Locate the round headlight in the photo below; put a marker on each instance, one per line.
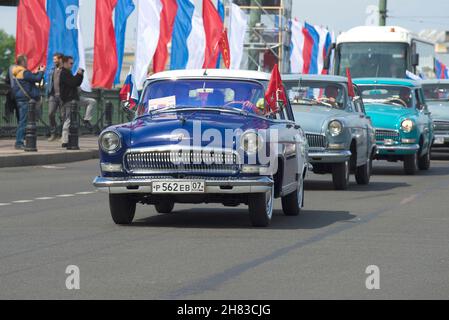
(407, 125)
(250, 142)
(335, 127)
(110, 142)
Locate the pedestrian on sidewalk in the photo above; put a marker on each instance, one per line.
(90, 105)
(10, 103)
(25, 89)
(68, 86)
(53, 93)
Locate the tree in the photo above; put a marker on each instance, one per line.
(7, 48)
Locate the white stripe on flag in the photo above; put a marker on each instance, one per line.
(196, 41)
(85, 85)
(296, 57)
(322, 32)
(238, 25)
(148, 25)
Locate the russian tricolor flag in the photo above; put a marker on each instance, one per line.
(128, 91)
(309, 48)
(441, 70)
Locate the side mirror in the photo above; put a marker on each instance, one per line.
(327, 60)
(415, 59)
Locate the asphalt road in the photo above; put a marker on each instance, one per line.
(51, 217)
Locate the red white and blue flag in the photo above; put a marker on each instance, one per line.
(128, 92)
(441, 70)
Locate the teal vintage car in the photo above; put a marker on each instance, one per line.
(436, 92)
(339, 133)
(403, 123)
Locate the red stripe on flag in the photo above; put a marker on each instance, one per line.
(32, 32)
(213, 27)
(307, 51)
(168, 14)
(105, 49)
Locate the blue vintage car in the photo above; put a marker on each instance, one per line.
(436, 92)
(398, 110)
(340, 135)
(204, 136)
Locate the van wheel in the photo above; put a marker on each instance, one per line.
(293, 202)
(260, 206)
(164, 207)
(363, 173)
(122, 208)
(340, 175)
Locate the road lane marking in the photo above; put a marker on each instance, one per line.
(44, 198)
(408, 199)
(86, 192)
(68, 195)
(65, 195)
(22, 201)
(5, 204)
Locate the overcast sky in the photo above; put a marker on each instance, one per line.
(337, 15)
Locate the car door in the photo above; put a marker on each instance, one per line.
(424, 119)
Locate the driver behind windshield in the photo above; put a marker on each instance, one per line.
(405, 95)
(331, 93)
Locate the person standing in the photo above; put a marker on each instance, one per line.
(68, 86)
(25, 89)
(53, 93)
(90, 105)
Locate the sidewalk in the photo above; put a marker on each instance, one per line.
(47, 152)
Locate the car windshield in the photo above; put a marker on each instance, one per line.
(436, 92)
(238, 95)
(323, 94)
(397, 96)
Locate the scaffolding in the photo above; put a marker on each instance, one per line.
(267, 39)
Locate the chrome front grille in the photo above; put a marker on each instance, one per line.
(382, 134)
(441, 125)
(181, 161)
(316, 140)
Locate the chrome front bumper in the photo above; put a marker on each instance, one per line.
(329, 156)
(216, 185)
(400, 148)
(444, 137)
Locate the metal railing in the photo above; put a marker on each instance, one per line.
(8, 122)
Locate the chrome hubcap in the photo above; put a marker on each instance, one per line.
(269, 202)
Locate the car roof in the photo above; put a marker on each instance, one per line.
(388, 81)
(213, 73)
(313, 77)
(435, 81)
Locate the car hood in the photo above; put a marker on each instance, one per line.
(387, 116)
(439, 110)
(177, 127)
(313, 118)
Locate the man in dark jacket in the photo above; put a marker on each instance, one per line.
(53, 93)
(68, 86)
(25, 89)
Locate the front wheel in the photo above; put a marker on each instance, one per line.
(122, 208)
(260, 206)
(340, 175)
(363, 173)
(164, 207)
(410, 164)
(424, 161)
(293, 202)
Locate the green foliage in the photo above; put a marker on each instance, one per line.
(7, 48)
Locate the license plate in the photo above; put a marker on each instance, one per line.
(178, 186)
(439, 140)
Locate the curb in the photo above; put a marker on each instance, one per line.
(40, 159)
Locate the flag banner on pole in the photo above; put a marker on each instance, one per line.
(167, 19)
(182, 28)
(238, 25)
(351, 91)
(32, 32)
(122, 11)
(441, 70)
(127, 90)
(148, 24)
(63, 35)
(213, 27)
(275, 90)
(224, 49)
(221, 13)
(105, 49)
(85, 85)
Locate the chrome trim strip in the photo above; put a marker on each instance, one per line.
(402, 147)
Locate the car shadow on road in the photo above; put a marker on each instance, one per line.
(440, 154)
(398, 171)
(226, 218)
(318, 185)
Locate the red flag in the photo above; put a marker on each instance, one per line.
(275, 91)
(105, 49)
(224, 48)
(351, 92)
(32, 32)
(168, 14)
(213, 27)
